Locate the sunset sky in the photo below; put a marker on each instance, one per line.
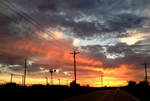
(113, 37)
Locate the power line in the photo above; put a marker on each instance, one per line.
(28, 18)
(23, 14)
(33, 21)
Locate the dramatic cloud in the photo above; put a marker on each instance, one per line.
(111, 35)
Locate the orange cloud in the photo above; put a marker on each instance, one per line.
(57, 53)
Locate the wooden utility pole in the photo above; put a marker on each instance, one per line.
(11, 77)
(46, 80)
(25, 69)
(22, 79)
(74, 56)
(59, 81)
(102, 80)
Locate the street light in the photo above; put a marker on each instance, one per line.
(51, 72)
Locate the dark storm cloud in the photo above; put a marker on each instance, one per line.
(110, 17)
(130, 56)
(4, 22)
(120, 48)
(96, 52)
(11, 59)
(12, 63)
(15, 68)
(118, 23)
(63, 4)
(86, 4)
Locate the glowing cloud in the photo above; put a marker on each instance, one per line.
(134, 37)
(57, 34)
(76, 42)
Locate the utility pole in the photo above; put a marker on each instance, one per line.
(102, 80)
(67, 82)
(11, 77)
(51, 72)
(59, 81)
(74, 56)
(145, 66)
(22, 79)
(25, 69)
(46, 80)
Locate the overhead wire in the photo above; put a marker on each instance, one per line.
(29, 19)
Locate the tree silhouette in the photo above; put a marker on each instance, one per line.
(131, 83)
